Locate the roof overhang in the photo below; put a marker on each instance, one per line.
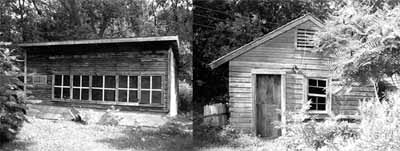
(237, 52)
(104, 41)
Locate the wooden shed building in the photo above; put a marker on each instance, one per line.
(136, 74)
(277, 73)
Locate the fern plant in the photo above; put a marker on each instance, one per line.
(363, 41)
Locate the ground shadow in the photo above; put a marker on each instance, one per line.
(168, 137)
(16, 145)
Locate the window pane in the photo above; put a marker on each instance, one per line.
(75, 94)
(97, 95)
(145, 97)
(312, 82)
(156, 84)
(66, 80)
(66, 93)
(133, 96)
(123, 81)
(316, 90)
(145, 82)
(133, 82)
(57, 80)
(156, 97)
(313, 99)
(109, 95)
(57, 93)
(85, 94)
(76, 80)
(85, 81)
(313, 107)
(321, 83)
(321, 107)
(110, 82)
(321, 100)
(97, 81)
(122, 96)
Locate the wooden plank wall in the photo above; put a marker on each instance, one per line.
(125, 60)
(346, 101)
(215, 114)
(276, 54)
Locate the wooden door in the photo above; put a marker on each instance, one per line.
(268, 103)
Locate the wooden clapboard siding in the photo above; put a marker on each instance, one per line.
(280, 54)
(122, 59)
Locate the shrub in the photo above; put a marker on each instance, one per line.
(380, 125)
(312, 135)
(185, 97)
(12, 105)
(379, 129)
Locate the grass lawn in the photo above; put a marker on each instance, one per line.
(49, 135)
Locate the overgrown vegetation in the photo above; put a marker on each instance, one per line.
(378, 130)
(303, 132)
(363, 37)
(12, 105)
(185, 97)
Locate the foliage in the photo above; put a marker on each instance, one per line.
(12, 105)
(363, 37)
(378, 129)
(312, 135)
(380, 124)
(110, 117)
(185, 97)
(208, 135)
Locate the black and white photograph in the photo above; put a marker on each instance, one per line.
(273, 75)
(199, 75)
(95, 75)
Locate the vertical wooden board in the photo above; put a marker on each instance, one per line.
(268, 97)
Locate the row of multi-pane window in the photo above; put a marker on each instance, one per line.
(121, 88)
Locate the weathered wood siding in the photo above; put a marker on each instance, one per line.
(121, 59)
(279, 53)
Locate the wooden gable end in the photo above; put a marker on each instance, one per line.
(280, 55)
(276, 54)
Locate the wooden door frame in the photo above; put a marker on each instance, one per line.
(254, 73)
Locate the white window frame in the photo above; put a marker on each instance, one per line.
(139, 88)
(42, 79)
(103, 88)
(130, 89)
(80, 87)
(309, 34)
(327, 98)
(151, 88)
(62, 87)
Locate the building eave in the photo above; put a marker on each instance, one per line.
(103, 41)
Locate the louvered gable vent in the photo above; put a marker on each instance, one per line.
(305, 39)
